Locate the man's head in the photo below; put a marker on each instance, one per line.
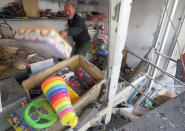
(69, 10)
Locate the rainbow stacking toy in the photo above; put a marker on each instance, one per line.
(55, 89)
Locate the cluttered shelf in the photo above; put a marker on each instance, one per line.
(33, 19)
(17, 11)
(44, 18)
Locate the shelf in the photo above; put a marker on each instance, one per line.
(33, 19)
(40, 19)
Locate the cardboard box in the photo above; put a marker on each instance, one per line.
(31, 7)
(163, 96)
(44, 41)
(140, 111)
(74, 62)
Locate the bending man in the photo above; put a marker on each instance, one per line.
(77, 29)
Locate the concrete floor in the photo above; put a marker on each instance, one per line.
(7, 111)
(168, 117)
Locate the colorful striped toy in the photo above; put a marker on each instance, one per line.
(55, 89)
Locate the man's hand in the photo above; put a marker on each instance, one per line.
(63, 33)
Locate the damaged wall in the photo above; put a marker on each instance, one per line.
(145, 16)
(143, 23)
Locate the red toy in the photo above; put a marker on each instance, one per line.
(86, 79)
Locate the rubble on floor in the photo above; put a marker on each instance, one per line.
(170, 117)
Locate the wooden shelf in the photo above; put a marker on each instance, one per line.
(33, 19)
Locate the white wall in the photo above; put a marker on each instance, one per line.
(144, 19)
(4, 3)
(43, 4)
(56, 24)
(46, 4)
(143, 22)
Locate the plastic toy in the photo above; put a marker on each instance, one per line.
(52, 84)
(86, 79)
(56, 91)
(97, 17)
(149, 105)
(102, 36)
(77, 86)
(102, 52)
(19, 123)
(99, 46)
(39, 114)
(66, 73)
(25, 102)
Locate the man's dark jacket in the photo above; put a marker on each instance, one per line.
(77, 29)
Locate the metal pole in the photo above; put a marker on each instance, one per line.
(153, 79)
(165, 56)
(155, 67)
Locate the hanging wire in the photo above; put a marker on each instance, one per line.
(178, 45)
(5, 25)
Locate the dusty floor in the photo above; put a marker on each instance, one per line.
(116, 123)
(170, 116)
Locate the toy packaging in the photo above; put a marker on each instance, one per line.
(24, 103)
(16, 119)
(45, 41)
(79, 81)
(35, 92)
(85, 78)
(66, 73)
(18, 122)
(69, 75)
(76, 85)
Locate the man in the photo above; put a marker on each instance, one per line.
(77, 29)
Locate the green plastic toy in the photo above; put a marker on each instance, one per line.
(39, 114)
(149, 104)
